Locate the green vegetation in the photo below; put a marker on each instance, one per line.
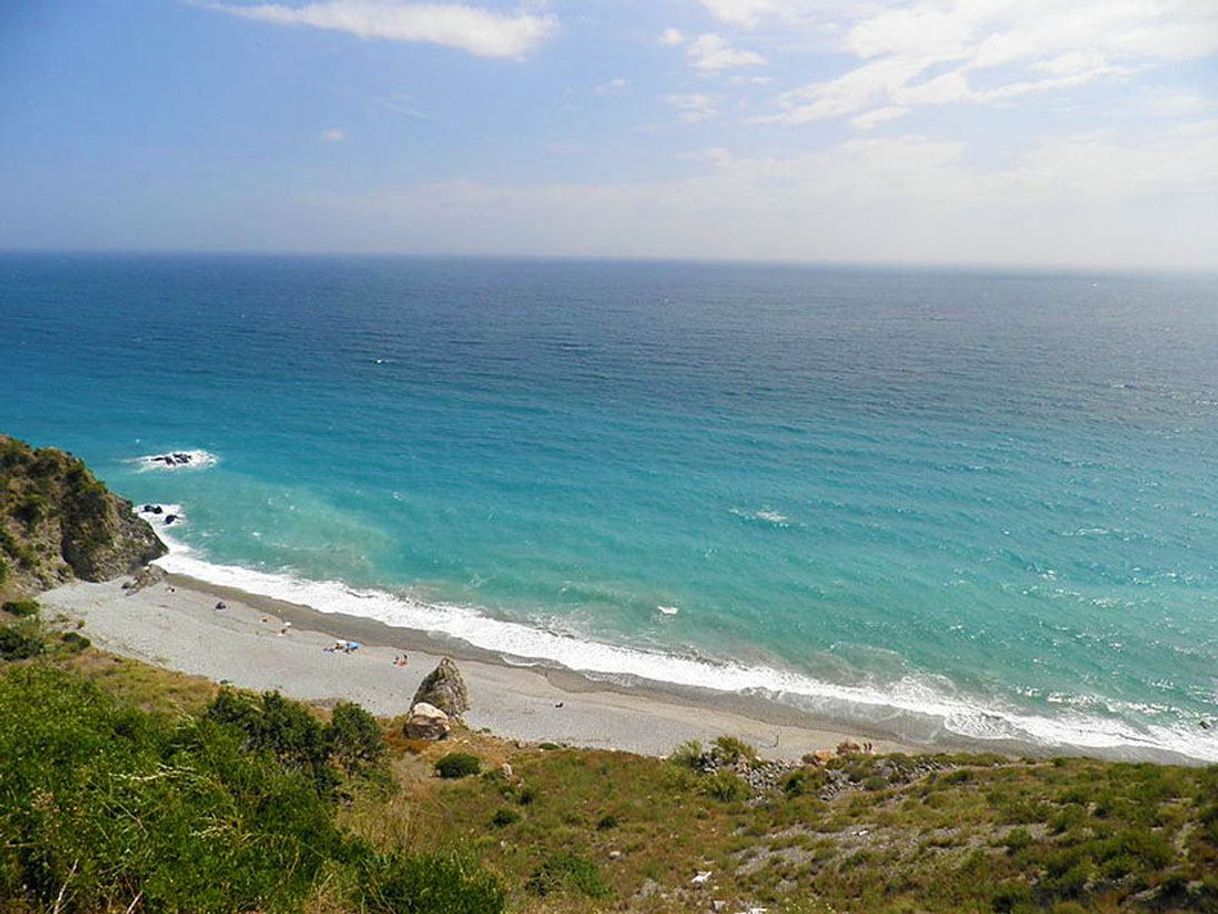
(57, 521)
(21, 608)
(109, 808)
(458, 765)
(120, 781)
(21, 641)
(568, 873)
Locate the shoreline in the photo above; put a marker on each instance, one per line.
(180, 629)
(527, 701)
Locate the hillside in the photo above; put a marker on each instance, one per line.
(58, 522)
(139, 786)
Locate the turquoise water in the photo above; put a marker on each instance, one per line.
(931, 501)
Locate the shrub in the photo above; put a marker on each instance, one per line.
(726, 786)
(606, 823)
(688, 755)
(458, 765)
(178, 813)
(75, 642)
(1018, 839)
(354, 738)
(399, 884)
(1009, 895)
(30, 510)
(568, 873)
(804, 781)
(504, 817)
(282, 728)
(729, 750)
(20, 642)
(21, 608)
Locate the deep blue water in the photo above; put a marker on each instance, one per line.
(929, 499)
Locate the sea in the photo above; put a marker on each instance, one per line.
(935, 504)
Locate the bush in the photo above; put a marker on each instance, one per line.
(568, 873)
(20, 642)
(504, 817)
(688, 755)
(21, 608)
(726, 786)
(729, 750)
(1010, 895)
(354, 738)
(804, 782)
(399, 884)
(113, 802)
(282, 728)
(458, 765)
(75, 642)
(606, 823)
(1018, 839)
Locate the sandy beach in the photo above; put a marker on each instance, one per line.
(259, 643)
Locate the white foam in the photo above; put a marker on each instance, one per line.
(669, 610)
(524, 645)
(177, 460)
(767, 515)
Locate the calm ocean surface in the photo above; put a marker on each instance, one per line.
(975, 502)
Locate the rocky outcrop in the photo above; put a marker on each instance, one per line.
(426, 722)
(145, 577)
(444, 688)
(58, 522)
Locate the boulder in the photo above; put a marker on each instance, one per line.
(848, 747)
(146, 577)
(426, 722)
(820, 758)
(444, 688)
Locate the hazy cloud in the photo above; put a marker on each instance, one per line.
(333, 135)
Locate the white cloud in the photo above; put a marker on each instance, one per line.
(693, 108)
(745, 13)
(333, 135)
(932, 52)
(712, 52)
(750, 13)
(481, 32)
(875, 116)
(671, 37)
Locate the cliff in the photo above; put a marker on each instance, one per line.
(58, 522)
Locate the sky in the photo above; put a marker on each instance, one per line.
(1012, 132)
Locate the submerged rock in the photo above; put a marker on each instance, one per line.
(426, 722)
(444, 688)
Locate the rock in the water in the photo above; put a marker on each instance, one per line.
(426, 722)
(444, 688)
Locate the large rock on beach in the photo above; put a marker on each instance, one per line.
(426, 722)
(444, 688)
(146, 577)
